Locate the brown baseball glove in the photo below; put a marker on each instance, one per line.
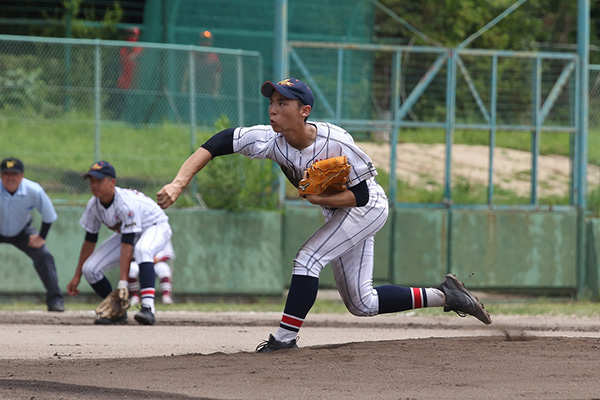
(115, 305)
(325, 176)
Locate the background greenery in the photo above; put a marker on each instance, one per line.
(536, 25)
(232, 182)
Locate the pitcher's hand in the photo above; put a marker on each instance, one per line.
(167, 195)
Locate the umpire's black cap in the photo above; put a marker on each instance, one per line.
(290, 88)
(100, 170)
(12, 164)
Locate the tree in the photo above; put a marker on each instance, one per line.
(74, 19)
(450, 22)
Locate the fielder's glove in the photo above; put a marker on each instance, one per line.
(328, 175)
(115, 305)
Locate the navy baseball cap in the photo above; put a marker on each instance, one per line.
(11, 164)
(100, 170)
(290, 88)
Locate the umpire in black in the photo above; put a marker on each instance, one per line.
(18, 196)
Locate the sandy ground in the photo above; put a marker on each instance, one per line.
(419, 163)
(194, 355)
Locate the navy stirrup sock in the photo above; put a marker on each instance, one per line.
(301, 297)
(102, 287)
(147, 275)
(397, 298)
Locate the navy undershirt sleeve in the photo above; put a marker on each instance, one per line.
(127, 238)
(361, 193)
(221, 143)
(91, 237)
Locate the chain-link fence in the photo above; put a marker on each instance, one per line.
(65, 103)
(143, 107)
(441, 115)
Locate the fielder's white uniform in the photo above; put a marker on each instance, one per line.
(130, 212)
(161, 268)
(347, 238)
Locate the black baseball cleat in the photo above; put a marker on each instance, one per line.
(461, 301)
(111, 321)
(270, 345)
(145, 316)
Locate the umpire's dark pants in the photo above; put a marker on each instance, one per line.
(42, 261)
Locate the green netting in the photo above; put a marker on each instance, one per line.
(249, 25)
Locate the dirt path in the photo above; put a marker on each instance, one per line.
(419, 164)
(210, 356)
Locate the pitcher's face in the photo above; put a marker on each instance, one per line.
(286, 114)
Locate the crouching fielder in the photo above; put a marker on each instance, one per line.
(141, 231)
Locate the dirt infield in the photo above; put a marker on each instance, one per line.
(193, 355)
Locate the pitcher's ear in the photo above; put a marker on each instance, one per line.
(306, 109)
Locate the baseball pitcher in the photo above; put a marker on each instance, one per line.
(354, 205)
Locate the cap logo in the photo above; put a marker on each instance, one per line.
(10, 164)
(285, 82)
(96, 166)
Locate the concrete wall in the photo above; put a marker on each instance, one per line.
(592, 275)
(515, 249)
(488, 249)
(216, 253)
(220, 252)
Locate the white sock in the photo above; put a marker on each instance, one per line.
(148, 298)
(285, 335)
(435, 297)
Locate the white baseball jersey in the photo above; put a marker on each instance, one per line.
(347, 238)
(130, 212)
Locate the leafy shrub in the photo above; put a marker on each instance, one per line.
(25, 91)
(237, 183)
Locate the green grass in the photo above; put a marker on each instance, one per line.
(150, 153)
(526, 306)
(69, 142)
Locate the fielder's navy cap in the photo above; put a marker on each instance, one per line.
(11, 164)
(100, 170)
(290, 88)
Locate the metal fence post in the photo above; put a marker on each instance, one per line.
(536, 102)
(240, 86)
(493, 117)
(450, 126)
(450, 122)
(192, 69)
(396, 82)
(583, 51)
(97, 98)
